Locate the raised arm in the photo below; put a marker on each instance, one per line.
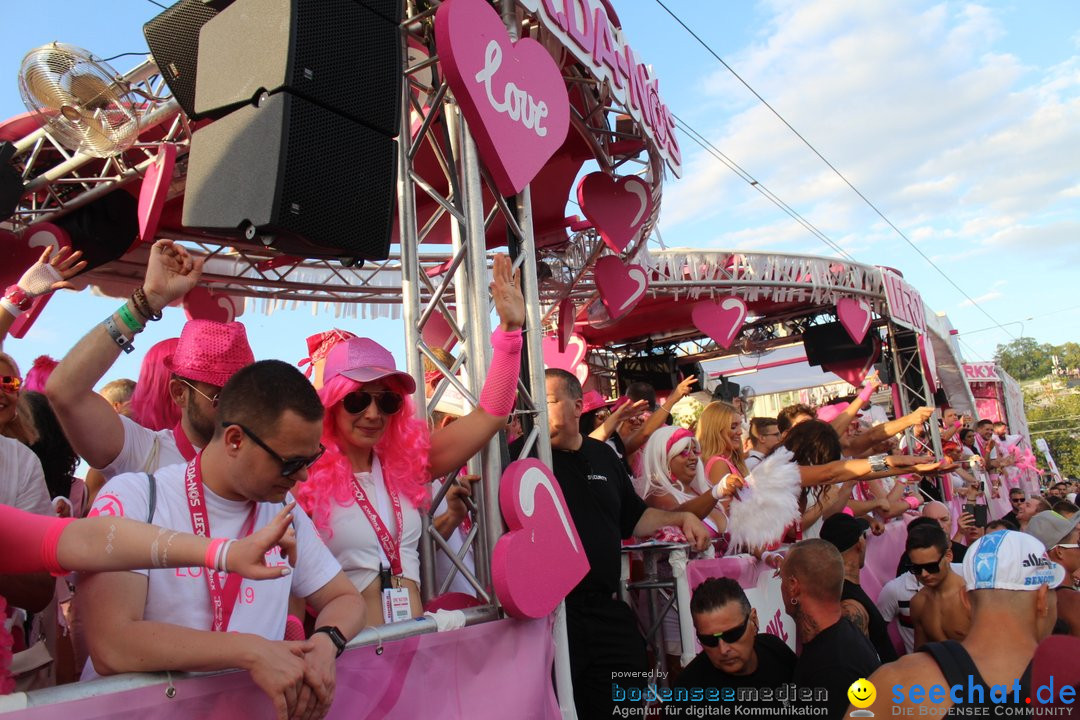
(50, 273)
(841, 422)
(452, 445)
(658, 418)
(91, 425)
(876, 434)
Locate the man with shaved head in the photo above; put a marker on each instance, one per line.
(834, 652)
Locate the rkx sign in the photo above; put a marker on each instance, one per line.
(905, 303)
(981, 372)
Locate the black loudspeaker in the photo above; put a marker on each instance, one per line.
(660, 371)
(105, 229)
(173, 39)
(336, 53)
(11, 184)
(830, 343)
(317, 183)
(726, 390)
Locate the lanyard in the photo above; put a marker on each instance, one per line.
(187, 450)
(391, 548)
(222, 597)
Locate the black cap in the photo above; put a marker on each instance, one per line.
(843, 530)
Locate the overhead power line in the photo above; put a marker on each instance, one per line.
(834, 169)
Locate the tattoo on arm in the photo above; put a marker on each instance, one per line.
(856, 613)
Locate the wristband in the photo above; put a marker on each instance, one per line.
(18, 299)
(12, 309)
(912, 501)
(129, 319)
(138, 299)
(866, 392)
(879, 463)
(118, 337)
(223, 556)
(212, 551)
(719, 488)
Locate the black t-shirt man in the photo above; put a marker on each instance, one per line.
(877, 628)
(606, 647)
(775, 668)
(836, 657)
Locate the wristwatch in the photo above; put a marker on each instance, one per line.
(335, 637)
(879, 463)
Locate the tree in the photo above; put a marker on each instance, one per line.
(1024, 358)
(1054, 414)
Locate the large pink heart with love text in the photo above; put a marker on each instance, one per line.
(569, 359)
(617, 207)
(19, 252)
(855, 316)
(540, 559)
(512, 94)
(155, 191)
(201, 304)
(720, 320)
(621, 286)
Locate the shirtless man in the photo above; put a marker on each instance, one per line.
(1012, 610)
(936, 611)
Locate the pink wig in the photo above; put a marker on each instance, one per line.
(402, 452)
(39, 373)
(151, 405)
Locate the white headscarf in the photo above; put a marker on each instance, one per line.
(656, 476)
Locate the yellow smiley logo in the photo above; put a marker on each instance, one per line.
(862, 693)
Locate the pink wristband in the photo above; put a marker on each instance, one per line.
(212, 549)
(866, 392)
(848, 511)
(50, 547)
(912, 501)
(500, 389)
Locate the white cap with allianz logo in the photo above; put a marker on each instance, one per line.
(1010, 560)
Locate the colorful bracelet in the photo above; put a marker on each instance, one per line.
(138, 299)
(129, 319)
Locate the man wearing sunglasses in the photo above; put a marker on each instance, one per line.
(206, 356)
(734, 653)
(1060, 536)
(268, 435)
(936, 611)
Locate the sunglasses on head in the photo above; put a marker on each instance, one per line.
(387, 401)
(729, 636)
(289, 466)
(930, 568)
(10, 383)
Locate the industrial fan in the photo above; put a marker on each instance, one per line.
(79, 100)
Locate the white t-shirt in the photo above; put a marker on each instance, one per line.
(753, 459)
(354, 543)
(179, 595)
(22, 482)
(138, 450)
(443, 565)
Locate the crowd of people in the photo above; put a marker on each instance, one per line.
(238, 514)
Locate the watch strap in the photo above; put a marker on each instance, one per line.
(335, 637)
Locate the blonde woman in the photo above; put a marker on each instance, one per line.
(719, 431)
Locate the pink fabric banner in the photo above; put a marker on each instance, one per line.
(476, 672)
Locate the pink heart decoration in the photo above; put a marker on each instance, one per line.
(201, 304)
(569, 359)
(512, 94)
(28, 249)
(540, 559)
(155, 191)
(567, 312)
(617, 207)
(855, 316)
(720, 321)
(437, 332)
(621, 286)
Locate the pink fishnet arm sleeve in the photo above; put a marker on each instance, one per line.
(500, 388)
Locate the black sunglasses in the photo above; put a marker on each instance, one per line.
(930, 568)
(358, 401)
(289, 466)
(729, 636)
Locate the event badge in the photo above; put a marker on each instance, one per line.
(396, 605)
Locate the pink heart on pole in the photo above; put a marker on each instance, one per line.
(621, 286)
(201, 304)
(540, 559)
(565, 328)
(512, 94)
(855, 316)
(155, 191)
(569, 359)
(617, 207)
(721, 321)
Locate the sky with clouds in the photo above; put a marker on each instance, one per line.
(959, 121)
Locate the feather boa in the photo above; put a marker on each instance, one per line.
(768, 504)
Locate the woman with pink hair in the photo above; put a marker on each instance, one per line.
(151, 404)
(365, 493)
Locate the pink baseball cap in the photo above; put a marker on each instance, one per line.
(364, 360)
(594, 401)
(210, 352)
